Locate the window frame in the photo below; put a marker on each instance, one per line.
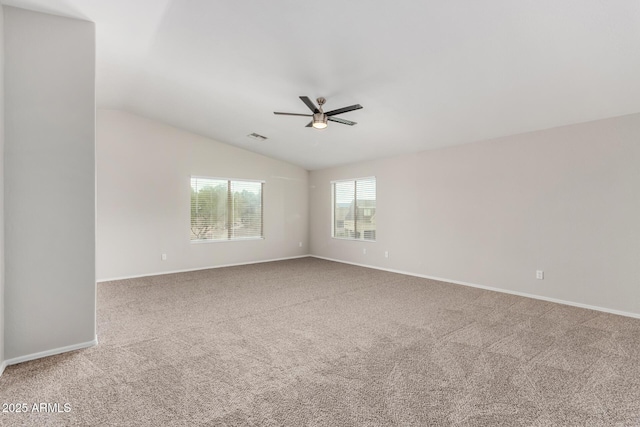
(333, 207)
(229, 183)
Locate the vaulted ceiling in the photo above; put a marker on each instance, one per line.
(428, 73)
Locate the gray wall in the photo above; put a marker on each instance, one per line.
(564, 200)
(144, 169)
(49, 184)
(1, 189)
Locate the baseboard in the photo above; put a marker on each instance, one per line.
(201, 268)
(2, 366)
(51, 352)
(490, 288)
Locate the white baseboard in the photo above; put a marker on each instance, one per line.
(2, 366)
(51, 352)
(489, 288)
(201, 268)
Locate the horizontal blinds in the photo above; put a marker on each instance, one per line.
(225, 209)
(354, 209)
(208, 209)
(246, 209)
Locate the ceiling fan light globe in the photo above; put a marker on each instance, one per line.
(319, 121)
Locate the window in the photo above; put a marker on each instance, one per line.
(354, 209)
(224, 209)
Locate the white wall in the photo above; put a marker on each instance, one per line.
(49, 184)
(1, 189)
(564, 200)
(144, 169)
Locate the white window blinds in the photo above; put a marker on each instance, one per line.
(246, 209)
(224, 209)
(354, 209)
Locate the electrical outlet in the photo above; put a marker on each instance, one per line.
(386, 254)
(164, 257)
(364, 251)
(300, 244)
(539, 274)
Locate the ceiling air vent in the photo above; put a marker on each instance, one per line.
(257, 136)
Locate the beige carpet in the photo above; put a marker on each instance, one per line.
(312, 342)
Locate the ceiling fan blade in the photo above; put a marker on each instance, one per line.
(344, 110)
(292, 114)
(343, 121)
(310, 124)
(309, 104)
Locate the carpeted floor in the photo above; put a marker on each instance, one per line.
(312, 342)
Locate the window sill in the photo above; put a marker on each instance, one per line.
(354, 240)
(242, 239)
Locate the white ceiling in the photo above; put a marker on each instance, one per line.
(428, 73)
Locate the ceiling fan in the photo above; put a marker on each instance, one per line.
(320, 118)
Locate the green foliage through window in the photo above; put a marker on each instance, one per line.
(223, 209)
